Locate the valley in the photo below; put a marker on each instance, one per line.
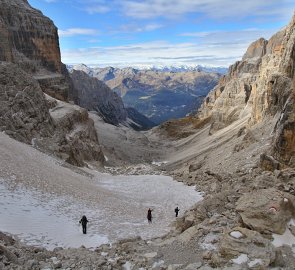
(159, 95)
(70, 147)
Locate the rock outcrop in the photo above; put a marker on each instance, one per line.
(65, 130)
(24, 112)
(267, 210)
(75, 135)
(31, 65)
(95, 95)
(28, 37)
(257, 87)
(249, 244)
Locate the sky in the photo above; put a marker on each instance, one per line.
(162, 32)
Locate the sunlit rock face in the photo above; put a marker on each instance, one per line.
(27, 35)
(257, 87)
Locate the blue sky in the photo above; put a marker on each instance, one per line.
(162, 32)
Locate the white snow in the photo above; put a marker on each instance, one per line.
(243, 258)
(159, 163)
(255, 262)
(285, 239)
(285, 200)
(208, 242)
(42, 202)
(51, 221)
(127, 266)
(158, 264)
(236, 234)
(23, 213)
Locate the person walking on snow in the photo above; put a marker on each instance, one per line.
(84, 221)
(176, 210)
(149, 215)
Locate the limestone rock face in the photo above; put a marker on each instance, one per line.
(54, 84)
(75, 134)
(267, 210)
(256, 49)
(26, 34)
(66, 130)
(23, 109)
(257, 87)
(95, 95)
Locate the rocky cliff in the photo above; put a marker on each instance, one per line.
(27, 37)
(159, 95)
(95, 95)
(31, 65)
(46, 123)
(258, 87)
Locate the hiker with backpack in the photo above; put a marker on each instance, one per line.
(83, 221)
(176, 210)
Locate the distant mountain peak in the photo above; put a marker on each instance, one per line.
(153, 67)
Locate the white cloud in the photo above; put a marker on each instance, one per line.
(224, 37)
(97, 9)
(136, 28)
(216, 48)
(77, 31)
(212, 8)
(155, 53)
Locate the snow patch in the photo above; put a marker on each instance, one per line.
(159, 163)
(127, 266)
(236, 234)
(42, 224)
(255, 262)
(207, 244)
(287, 238)
(243, 258)
(157, 264)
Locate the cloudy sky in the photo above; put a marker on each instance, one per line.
(162, 32)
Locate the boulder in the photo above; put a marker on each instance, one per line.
(244, 241)
(266, 210)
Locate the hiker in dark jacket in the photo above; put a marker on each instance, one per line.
(149, 215)
(84, 221)
(176, 210)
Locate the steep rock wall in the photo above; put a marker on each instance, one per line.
(23, 109)
(257, 87)
(64, 130)
(26, 34)
(95, 95)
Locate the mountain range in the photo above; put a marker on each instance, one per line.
(158, 94)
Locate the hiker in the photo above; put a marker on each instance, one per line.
(84, 221)
(149, 215)
(176, 210)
